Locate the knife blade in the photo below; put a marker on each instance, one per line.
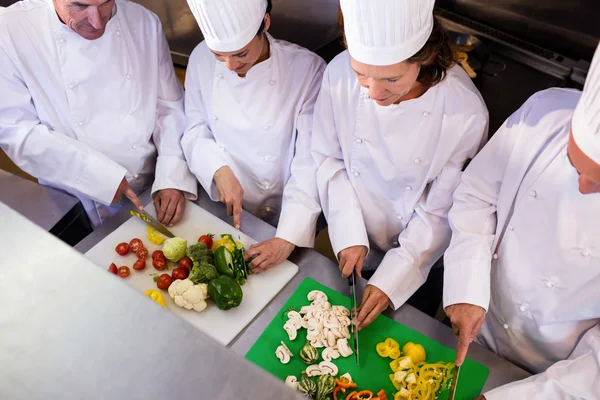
(352, 284)
(144, 216)
(454, 383)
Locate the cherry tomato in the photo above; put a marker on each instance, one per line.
(180, 273)
(135, 245)
(159, 263)
(158, 253)
(207, 240)
(122, 249)
(140, 264)
(142, 253)
(123, 271)
(186, 263)
(113, 268)
(164, 281)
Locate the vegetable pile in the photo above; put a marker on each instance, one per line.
(326, 386)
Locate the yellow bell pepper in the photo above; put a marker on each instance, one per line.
(416, 352)
(156, 296)
(228, 243)
(388, 348)
(401, 364)
(155, 237)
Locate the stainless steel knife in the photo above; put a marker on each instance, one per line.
(352, 284)
(454, 383)
(144, 216)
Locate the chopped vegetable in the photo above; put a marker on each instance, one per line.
(381, 395)
(388, 348)
(345, 383)
(401, 364)
(123, 271)
(142, 253)
(135, 245)
(157, 254)
(198, 252)
(337, 390)
(292, 382)
(325, 386)
(283, 353)
(309, 354)
(122, 249)
(164, 281)
(175, 249)
(224, 261)
(139, 265)
(226, 292)
(113, 268)
(159, 263)
(189, 296)
(239, 266)
(155, 237)
(203, 273)
(364, 395)
(416, 352)
(156, 296)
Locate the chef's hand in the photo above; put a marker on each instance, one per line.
(373, 302)
(230, 192)
(125, 190)
(466, 321)
(268, 254)
(351, 258)
(169, 205)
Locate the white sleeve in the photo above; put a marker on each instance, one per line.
(201, 151)
(46, 154)
(467, 261)
(578, 377)
(427, 235)
(301, 207)
(172, 171)
(338, 199)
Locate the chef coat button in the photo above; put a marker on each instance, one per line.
(356, 173)
(70, 87)
(215, 117)
(135, 175)
(268, 209)
(222, 148)
(510, 228)
(80, 123)
(495, 256)
(271, 82)
(549, 284)
(585, 253)
(220, 76)
(266, 185)
(505, 326)
(409, 188)
(394, 243)
(522, 308)
(130, 112)
(133, 147)
(417, 160)
(426, 113)
(365, 96)
(358, 140)
(267, 158)
(267, 127)
(128, 76)
(399, 217)
(533, 193)
(62, 40)
(118, 32)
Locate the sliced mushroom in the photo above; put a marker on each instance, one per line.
(337, 333)
(344, 321)
(294, 315)
(345, 332)
(313, 370)
(282, 354)
(305, 309)
(313, 333)
(291, 331)
(325, 306)
(341, 310)
(328, 368)
(331, 322)
(317, 343)
(317, 296)
(287, 349)
(331, 339)
(296, 323)
(330, 354)
(344, 348)
(291, 381)
(313, 323)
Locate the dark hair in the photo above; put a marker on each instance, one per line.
(435, 57)
(268, 11)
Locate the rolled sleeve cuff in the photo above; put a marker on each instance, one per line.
(205, 171)
(347, 230)
(100, 179)
(297, 225)
(173, 173)
(467, 283)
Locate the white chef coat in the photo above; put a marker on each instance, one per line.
(260, 127)
(80, 115)
(386, 174)
(527, 244)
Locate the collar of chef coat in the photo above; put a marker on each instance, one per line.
(260, 69)
(58, 24)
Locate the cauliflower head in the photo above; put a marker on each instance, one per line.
(189, 296)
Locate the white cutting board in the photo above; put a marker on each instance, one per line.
(223, 326)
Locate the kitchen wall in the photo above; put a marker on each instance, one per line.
(570, 28)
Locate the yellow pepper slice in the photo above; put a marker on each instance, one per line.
(229, 245)
(401, 364)
(155, 237)
(416, 352)
(156, 296)
(388, 348)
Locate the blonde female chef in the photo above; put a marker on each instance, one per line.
(394, 125)
(249, 104)
(526, 246)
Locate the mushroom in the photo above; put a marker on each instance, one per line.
(331, 339)
(313, 323)
(314, 370)
(330, 354)
(325, 305)
(345, 332)
(283, 355)
(291, 381)
(291, 331)
(316, 296)
(344, 321)
(344, 348)
(313, 333)
(331, 322)
(294, 315)
(317, 342)
(328, 368)
(337, 333)
(341, 310)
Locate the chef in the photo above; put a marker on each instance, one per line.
(89, 103)
(249, 104)
(395, 123)
(526, 246)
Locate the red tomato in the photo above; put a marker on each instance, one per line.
(113, 268)
(139, 265)
(135, 245)
(159, 263)
(122, 249)
(180, 273)
(158, 253)
(142, 253)
(123, 271)
(164, 281)
(207, 240)
(186, 263)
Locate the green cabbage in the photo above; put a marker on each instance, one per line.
(174, 249)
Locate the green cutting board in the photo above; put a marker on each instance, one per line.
(374, 370)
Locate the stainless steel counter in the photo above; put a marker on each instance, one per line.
(316, 266)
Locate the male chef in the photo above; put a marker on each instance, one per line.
(526, 246)
(248, 105)
(89, 103)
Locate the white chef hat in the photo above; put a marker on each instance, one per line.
(586, 118)
(386, 32)
(228, 25)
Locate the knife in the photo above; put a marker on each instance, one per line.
(454, 382)
(143, 215)
(352, 284)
